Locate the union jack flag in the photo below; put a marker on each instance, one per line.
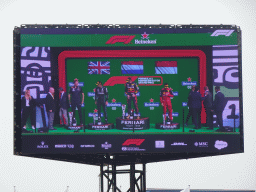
(99, 67)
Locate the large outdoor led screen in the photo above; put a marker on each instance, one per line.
(128, 90)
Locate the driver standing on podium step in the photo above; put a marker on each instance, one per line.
(131, 88)
(101, 99)
(165, 99)
(76, 92)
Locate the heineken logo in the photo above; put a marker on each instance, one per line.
(91, 94)
(94, 114)
(156, 104)
(114, 104)
(145, 39)
(80, 84)
(189, 82)
(151, 104)
(175, 93)
(184, 104)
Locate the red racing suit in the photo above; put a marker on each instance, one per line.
(165, 99)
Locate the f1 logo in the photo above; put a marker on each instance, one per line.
(137, 142)
(120, 39)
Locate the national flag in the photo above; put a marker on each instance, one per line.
(166, 67)
(99, 67)
(132, 67)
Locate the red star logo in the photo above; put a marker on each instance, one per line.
(145, 35)
(113, 100)
(95, 110)
(93, 90)
(189, 79)
(151, 100)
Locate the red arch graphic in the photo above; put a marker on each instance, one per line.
(135, 53)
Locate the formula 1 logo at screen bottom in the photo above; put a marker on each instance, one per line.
(132, 145)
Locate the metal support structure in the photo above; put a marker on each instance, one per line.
(111, 172)
(101, 177)
(132, 177)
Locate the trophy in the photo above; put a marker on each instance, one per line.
(168, 120)
(123, 110)
(164, 116)
(94, 118)
(99, 121)
(132, 114)
(70, 114)
(74, 122)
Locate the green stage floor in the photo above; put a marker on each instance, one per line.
(151, 131)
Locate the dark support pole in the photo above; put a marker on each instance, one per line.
(109, 180)
(141, 181)
(143, 187)
(114, 176)
(132, 177)
(101, 177)
(183, 119)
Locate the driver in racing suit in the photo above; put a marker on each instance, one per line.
(101, 99)
(131, 88)
(165, 99)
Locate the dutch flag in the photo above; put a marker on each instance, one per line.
(132, 67)
(166, 67)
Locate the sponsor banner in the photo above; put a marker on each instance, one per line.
(133, 145)
(220, 144)
(201, 144)
(156, 104)
(135, 122)
(91, 114)
(174, 38)
(87, 146)
(160, 144)
(175, 114)
(106, 145)
(144, 39)
(102, 127)
(119, 104)
(42, 146)
(179, 144)
(186, 83)
(80, 84)
(91, 94)
(175, 93)
(184, 104)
